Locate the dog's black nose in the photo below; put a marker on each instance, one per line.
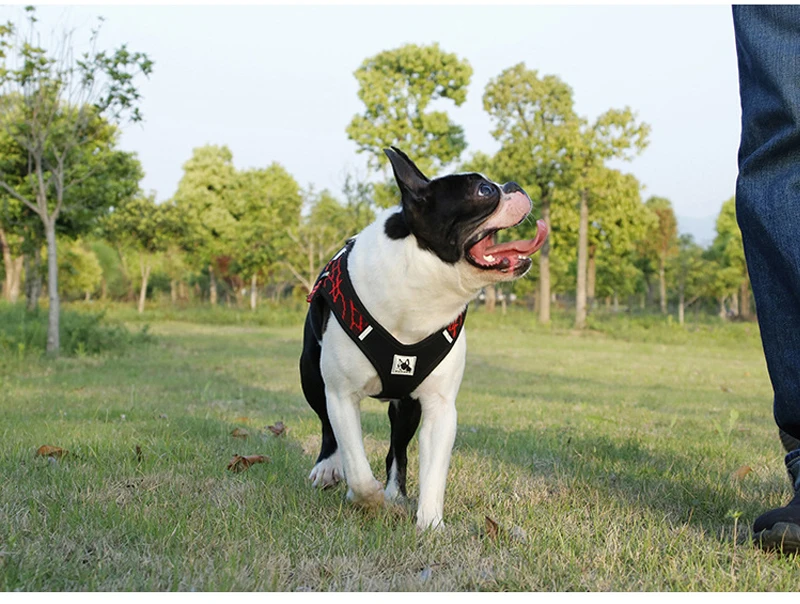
(512, 187)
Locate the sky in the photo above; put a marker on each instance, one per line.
(275, 83)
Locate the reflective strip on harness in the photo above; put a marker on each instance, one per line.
(401, 367)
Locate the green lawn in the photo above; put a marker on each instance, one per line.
(606, 459)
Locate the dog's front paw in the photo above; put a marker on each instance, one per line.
(426, 522)
(327, 473)
(393, 495)
(369, 497)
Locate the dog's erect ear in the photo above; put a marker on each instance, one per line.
(409, 178)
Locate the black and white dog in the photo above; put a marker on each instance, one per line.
(415, 269)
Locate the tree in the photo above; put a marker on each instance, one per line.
(59, 110)
(79, 270)
(318, 235)
(203, 201)
(397, 87)
(662, 241)
(690, 273)
(534, 123)
(727, 250)
(614, 135)
(267, 202)
(146, 229)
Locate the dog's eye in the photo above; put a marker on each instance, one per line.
(485, 190)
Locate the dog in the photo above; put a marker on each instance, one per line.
(414, 269)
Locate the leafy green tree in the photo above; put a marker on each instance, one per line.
(79, 270)
(318, 234)
(614, 135)
(58, 109)
(267, 202)
(143, 227)
(662, 241)
(397, 88)
(204, 202)
(727, 250)
(534, 122)
(689, 272)
(112, 281)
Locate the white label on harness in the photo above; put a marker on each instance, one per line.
(403, 365)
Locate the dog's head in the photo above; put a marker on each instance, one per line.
(457, 218)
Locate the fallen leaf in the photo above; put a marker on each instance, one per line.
(50, 451)
(240, 433)
(724, 388)
(242, 419)
(139, 456)
(239, 463)
(742, 472)
(277, 429)
(492, 528)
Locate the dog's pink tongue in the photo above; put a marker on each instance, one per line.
(524, 247)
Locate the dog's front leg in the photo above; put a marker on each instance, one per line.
(436, 437)
(344, 412)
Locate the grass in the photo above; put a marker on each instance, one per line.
(607, 459)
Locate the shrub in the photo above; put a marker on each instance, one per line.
(23, 332)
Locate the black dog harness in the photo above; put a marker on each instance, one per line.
(401, 367)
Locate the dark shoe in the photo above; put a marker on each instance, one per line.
(779, 529)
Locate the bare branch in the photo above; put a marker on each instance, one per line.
(303, 281)
(17, 196)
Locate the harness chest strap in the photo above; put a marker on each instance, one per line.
(401, 367)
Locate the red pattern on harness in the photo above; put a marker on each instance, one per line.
(356, 320)
(331, 282)
(455, 327)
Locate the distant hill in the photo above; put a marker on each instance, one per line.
(703, 229)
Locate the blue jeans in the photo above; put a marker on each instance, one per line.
(768, 189)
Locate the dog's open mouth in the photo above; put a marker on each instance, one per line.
(487, 254)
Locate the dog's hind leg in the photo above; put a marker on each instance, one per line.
(404, 415)
(328, 469)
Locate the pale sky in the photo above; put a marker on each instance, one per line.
(275, 83)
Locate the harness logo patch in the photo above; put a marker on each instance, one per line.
(403, 365)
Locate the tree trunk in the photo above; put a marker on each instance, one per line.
(491, 298)
(54, 312)
(183, 291)
(33, 279)
(735, 304)
(616, 302)
(143, 292)
(127, 274)
(103, 289)
(681, 306)
(173, 291)
(591, 277)
(722, 313)
(212, 286)
(744, 300)
(253, 292)
(16, 279)
(544, 269)
(13, 267)
(662, 285)
(583, 240)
